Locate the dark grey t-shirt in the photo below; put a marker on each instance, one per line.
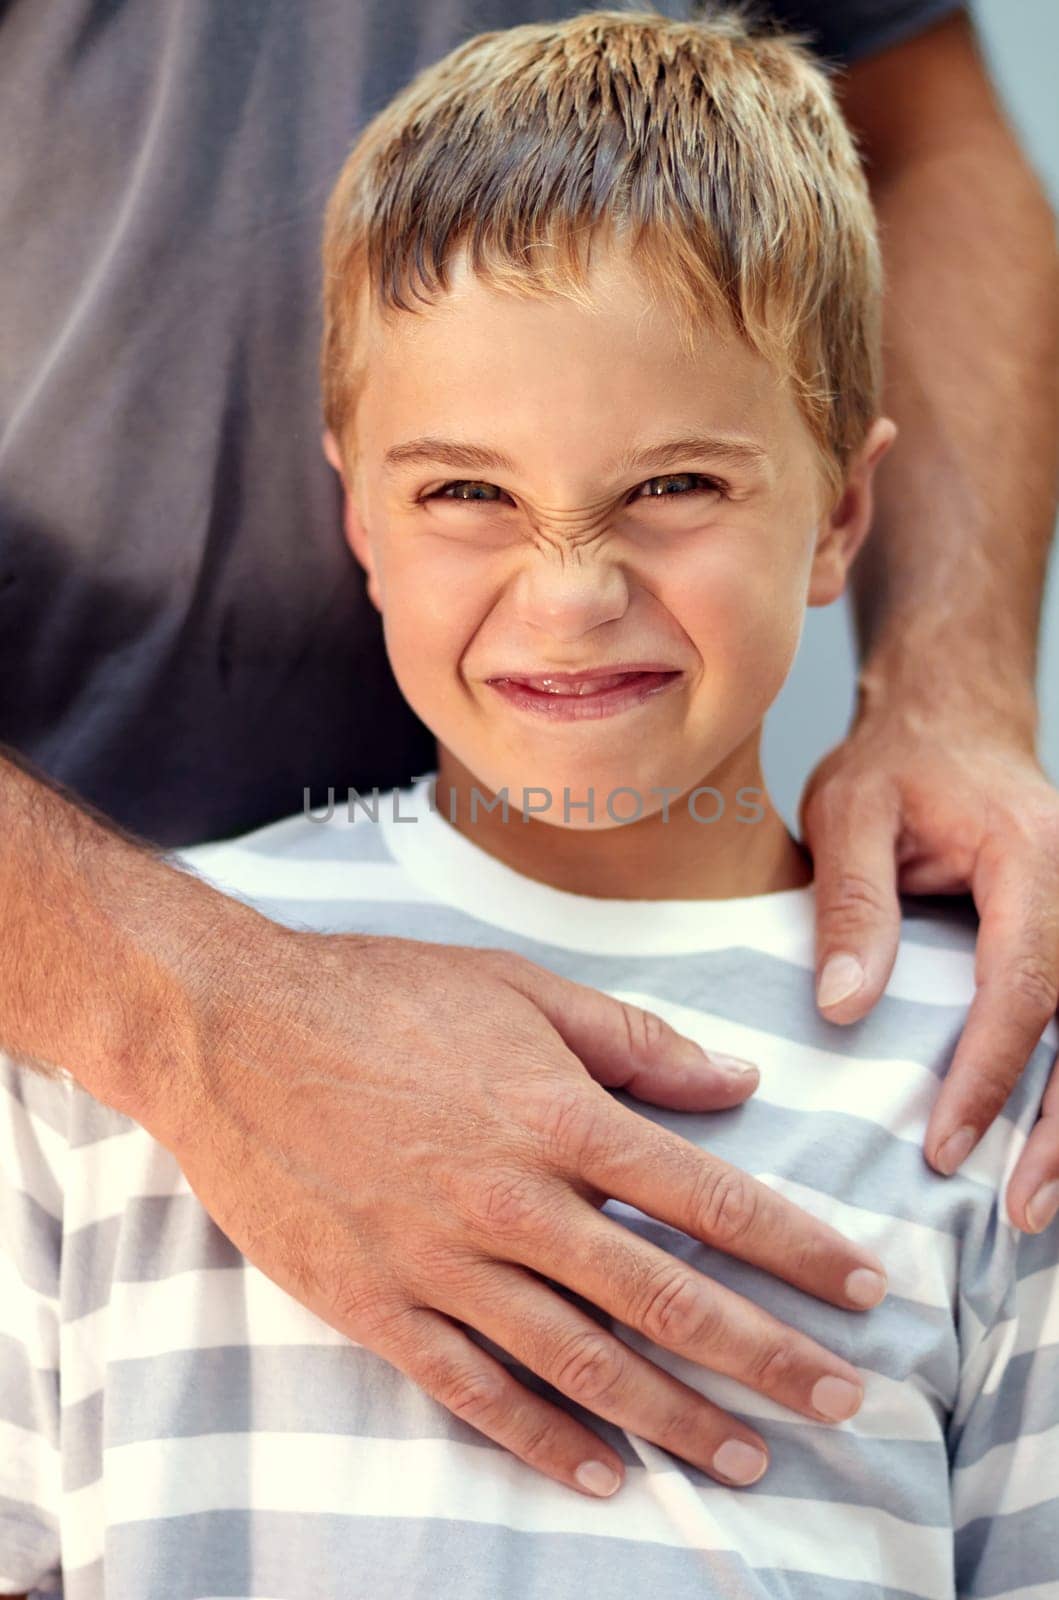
(185, 639)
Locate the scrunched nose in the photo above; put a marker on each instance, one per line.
(569, 597)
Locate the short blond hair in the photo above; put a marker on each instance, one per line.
(714, 149)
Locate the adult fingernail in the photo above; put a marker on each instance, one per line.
(740, 1462)
(733, 1066)
(841, 977)
(836, 1399)
(955, 1150)
(865, 1287)
(1043, 1206)
(597, 1478)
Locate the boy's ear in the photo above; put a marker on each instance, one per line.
(356, 536)
(845, 527)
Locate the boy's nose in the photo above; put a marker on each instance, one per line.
(567, 598)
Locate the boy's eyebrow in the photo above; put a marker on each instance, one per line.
(473, 457)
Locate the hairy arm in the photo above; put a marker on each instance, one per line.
(99, 932)
(947, 590)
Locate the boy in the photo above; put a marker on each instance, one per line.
(600, 380)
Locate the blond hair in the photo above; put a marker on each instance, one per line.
(714, 150)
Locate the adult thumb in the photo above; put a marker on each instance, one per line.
(853, 844)
(624, 1046)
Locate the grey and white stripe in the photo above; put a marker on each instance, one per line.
(172, 1424)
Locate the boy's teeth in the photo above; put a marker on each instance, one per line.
(577, 686)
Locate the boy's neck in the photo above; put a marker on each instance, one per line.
(653, 859)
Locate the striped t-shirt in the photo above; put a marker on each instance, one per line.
(172, 1424)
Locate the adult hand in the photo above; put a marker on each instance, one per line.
(908, 804)
(405, 1137)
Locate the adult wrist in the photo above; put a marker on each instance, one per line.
(929, 684)
(193, 958)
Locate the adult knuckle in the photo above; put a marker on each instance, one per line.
(726, 1206)
(358, 1305)
(644, 1031)
(539, 1444)
(805, 1257)
(773, 1366)
(375, 1316)
(507, 963)
(475, 1396)
(590, 1368)
(518, 973)
(504, 1205)
(854, 895)
(686, 1427)
(463, 1277)
(1030, 819)
(568, 1124)
(674, 1313)
(1034, 986)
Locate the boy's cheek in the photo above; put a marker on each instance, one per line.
(763, 649)
(426, 640)
(747, 635)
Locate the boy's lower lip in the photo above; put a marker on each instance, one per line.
(634, 688)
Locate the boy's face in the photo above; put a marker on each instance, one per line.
(569, 556)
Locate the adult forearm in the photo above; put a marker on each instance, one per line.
(103, 947)
(947, 590)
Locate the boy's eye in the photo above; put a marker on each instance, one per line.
(699, 484)
(470, 484)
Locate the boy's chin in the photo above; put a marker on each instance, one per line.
(599, 805)
(590, 796)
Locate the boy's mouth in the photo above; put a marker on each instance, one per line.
(596, 692)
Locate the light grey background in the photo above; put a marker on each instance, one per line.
(1021, 42)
